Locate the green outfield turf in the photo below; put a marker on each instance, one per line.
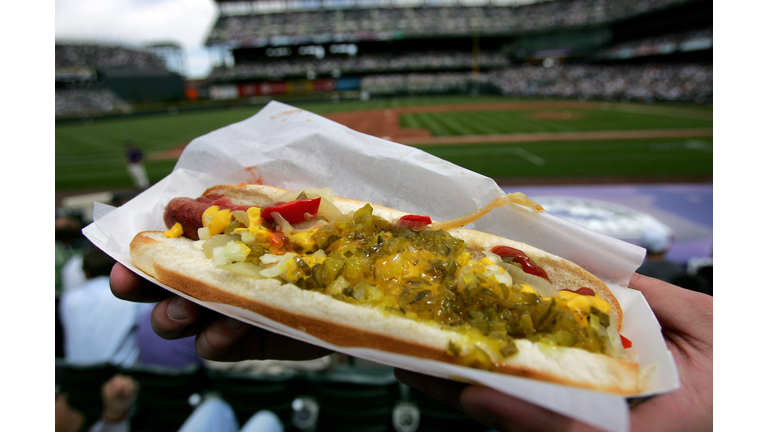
(544, 120)
(89, 155)
(639, 159)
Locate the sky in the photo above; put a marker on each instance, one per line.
(138, 22)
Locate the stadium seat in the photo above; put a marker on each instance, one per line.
(248, 393)
(355, 399)
(435, 416)
(82, 384)
(59, 332)
(163, 402)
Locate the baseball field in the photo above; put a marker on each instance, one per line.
(513, 141)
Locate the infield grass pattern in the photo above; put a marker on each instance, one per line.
(90, 155)
(531, 121)
(584, 159)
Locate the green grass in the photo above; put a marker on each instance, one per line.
(89, 155)
(524, 121)
(585, 159)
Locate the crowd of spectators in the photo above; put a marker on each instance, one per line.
(419, 83)
(657, 45)
(106, 57)
(88, 102)
(648, 82)
(369, 63)
(86, 96)
(383, 23)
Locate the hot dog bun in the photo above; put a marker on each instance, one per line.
(176, 263)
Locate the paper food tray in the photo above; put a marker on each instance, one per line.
(292, 148)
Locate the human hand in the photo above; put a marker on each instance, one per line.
(68, 419)
(686, 320)
(118, 395)
(218, 337)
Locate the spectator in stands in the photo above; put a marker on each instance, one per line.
(656, 242)
(135, 160)
(216, 415)
(685, 316)
(99, 328)
(68, 237)
(701, 269)
(118, 396)
(156, 351)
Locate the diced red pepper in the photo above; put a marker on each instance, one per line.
(415, 222)
(277, 239)
(626, 343)
(293, 211)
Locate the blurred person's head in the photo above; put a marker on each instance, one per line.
(68, 229)
(656, 241)
(97, 263)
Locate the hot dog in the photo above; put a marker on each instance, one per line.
(357, 274)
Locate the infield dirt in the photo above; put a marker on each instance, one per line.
(386, 124)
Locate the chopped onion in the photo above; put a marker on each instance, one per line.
(241, 216)
(203, 234)
(270, 259)
(337, 286)
(542, 286)
(217, 241)
(229, 253)
(615, 347)
(310, 192)
(282, 265)
(246, 269)
(285, 226)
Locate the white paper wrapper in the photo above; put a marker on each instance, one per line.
(292, 148)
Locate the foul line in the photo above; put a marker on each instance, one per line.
(557, 136)
(530, 157)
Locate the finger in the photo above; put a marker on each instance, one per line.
(129, 286)
(176, 317)
(227, 339)
(676, 308)
(507, 413)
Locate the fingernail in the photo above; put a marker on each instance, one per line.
(481, 415)
(176, 310)
(233, 324)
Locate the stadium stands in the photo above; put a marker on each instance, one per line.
(82, 70)
(363, 64)
(105, 57)
(360, 22)
(71, 102)
(648, 82)
(599, 49)
(655, 50)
